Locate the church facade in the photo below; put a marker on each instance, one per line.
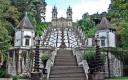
(61, 22)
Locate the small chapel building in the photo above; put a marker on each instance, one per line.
(107, 40)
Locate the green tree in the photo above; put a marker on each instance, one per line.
(40, 28)
(9, 17)
(87, 25)
(32, 7)
(118, 10)
(8, 20)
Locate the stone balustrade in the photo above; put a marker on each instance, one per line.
(11, 79)
(82, 62)
(50, 62)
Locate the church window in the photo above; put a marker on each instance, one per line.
(54, 14)
(103, 42)
(27, 42)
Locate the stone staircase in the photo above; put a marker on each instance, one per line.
(66, 68)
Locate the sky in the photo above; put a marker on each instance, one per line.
(79, 7)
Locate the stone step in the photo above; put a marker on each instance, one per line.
(65, 64)
(64, 51)
(73, 75)
(68, 57)
(76, 78)
(66, 67)
(64, 57)
(65, 60)
(67, 70)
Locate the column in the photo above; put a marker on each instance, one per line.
(13, 64)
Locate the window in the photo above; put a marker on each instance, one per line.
(103, 42)
(87, 42)
(27, 41)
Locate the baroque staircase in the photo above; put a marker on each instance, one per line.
(65, 67)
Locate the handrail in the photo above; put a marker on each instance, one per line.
(50, 63)
(82, 62)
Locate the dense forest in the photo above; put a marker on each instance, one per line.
(12, 11)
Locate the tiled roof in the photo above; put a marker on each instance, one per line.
(25, 23)
(104, 24)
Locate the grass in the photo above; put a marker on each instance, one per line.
(119, 78)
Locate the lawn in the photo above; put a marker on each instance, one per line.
(119, 78)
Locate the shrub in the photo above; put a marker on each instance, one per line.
(44, 57)
(2, 72)
(16, 77)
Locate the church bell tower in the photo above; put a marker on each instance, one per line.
(54, 16)
(69, 16)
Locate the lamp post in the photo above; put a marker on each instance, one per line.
(99, 75)
(36, 73)
(99, 62)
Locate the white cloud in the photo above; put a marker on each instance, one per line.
(90, 6)
(48, 13)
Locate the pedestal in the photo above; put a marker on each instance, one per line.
(35, 75)
(99, 76)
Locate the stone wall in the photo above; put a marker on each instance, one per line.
(11, 79)
(115, 66)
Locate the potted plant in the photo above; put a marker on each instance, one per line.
(44, 58)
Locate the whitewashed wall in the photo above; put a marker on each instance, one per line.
(89, 42)
(110, 38)
(31, 34)
(19, 37)
(112, 41)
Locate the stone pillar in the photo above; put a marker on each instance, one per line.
(19, 60)
(12, 64)
(28, 61)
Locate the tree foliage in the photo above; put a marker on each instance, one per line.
(32, 7)
(118, 11)
(40, 28)
(8, 19)
(87, 25)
